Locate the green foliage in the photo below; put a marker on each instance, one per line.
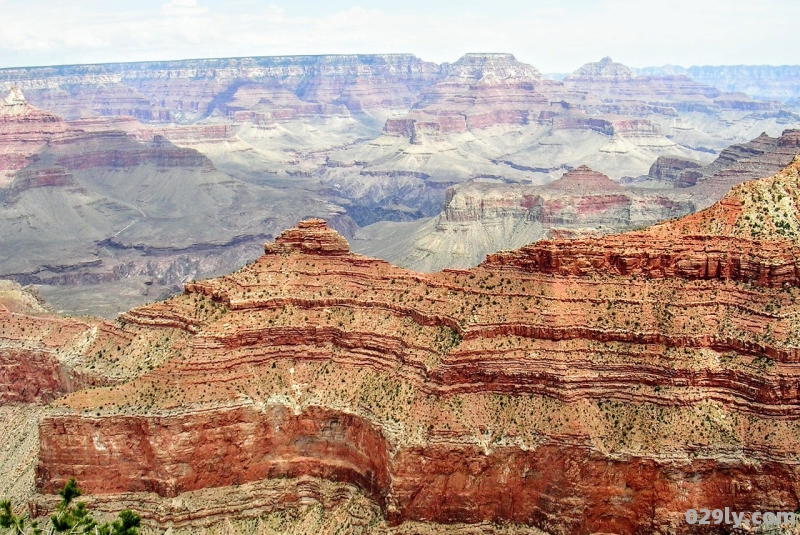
(69, 519)
(128, 523)
(17, 525)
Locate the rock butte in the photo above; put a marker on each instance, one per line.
(597, 385)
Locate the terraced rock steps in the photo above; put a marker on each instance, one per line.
(599, 385)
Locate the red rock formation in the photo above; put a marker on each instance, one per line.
(32, 369)
(736, 239)
(317, 442)
(583, 200)
(602, 385)
(24, 130)
(311, 236)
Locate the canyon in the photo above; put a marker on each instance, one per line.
(481, 218)
(99, 162)
(598, 384)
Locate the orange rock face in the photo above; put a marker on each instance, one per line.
(749, 236)
(311, 236)
(603, 385)
(183, 452)
(32, 365)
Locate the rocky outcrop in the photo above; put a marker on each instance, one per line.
(479, 91)
(581, 198)
(17, 298)
(483, 218)
(34, 350)
(343, 448)
(310, 236)
(24, 130)
(490, 68)
(760, 157)
(603, 70)
(749, 236)
(674, 170)
(635, 375)
(763, 156)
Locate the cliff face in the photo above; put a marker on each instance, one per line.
(24, 130)
(185, 91)
(770, 82)
(609, 79)
(602, 385)
(35, 367)
(481, 218)
(38, 350)
(480, 90)
(760, 157)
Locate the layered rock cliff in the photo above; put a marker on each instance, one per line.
(493, 117)
(480, 90)
(762, 156)
(24, 130)
(599, 385)
(609, 79)
(482, 218)
(185, 91)
(769, 82)
(751, 235)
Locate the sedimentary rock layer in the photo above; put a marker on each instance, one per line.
(184, 91)
(34, 365)
(482, 218)
(578, 400)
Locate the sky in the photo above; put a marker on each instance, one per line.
(555, 36)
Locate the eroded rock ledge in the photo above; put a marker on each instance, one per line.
(609, 398)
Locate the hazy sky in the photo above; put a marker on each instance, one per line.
(555, 36)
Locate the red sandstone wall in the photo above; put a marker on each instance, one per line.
(170, 455)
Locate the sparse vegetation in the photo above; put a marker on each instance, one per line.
(69, 518)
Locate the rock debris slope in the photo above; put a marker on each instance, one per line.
(578, 386)
(88, 204)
